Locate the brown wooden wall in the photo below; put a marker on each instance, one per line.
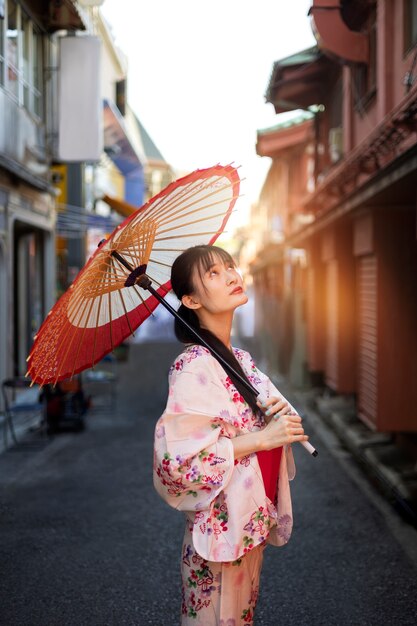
(396, 247)
(340, 357)
(386, 249)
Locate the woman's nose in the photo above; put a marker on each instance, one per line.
(230, 277)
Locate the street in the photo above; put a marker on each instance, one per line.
(86, 541)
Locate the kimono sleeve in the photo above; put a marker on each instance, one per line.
(193, 458)
(270, 389)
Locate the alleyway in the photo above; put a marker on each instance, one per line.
(85, 540)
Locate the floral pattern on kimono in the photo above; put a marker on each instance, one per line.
(194, 466)
(218, 594)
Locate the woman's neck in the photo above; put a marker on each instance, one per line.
(220, 325)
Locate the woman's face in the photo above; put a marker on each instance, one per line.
(220, 288)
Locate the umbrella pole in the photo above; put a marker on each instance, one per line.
(139, 277)
(145, 282)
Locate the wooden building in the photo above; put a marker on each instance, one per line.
(357, 218)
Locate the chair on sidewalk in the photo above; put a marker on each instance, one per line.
(65, 405)
(23, 412)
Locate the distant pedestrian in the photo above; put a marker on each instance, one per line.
(220, 457)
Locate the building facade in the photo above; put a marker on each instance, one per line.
(278, 269)
(67, 139)
(27, 195)
(356, 216)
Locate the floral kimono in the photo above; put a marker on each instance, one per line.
(229, 516)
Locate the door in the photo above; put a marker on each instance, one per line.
(367, 339)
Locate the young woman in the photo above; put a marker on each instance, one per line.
(219, 456)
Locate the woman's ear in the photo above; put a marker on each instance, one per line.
(190, 303)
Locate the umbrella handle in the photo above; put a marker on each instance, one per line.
(307, 445)
(145, 282)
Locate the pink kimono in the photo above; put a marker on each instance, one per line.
(229, 516)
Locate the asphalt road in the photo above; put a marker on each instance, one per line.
(85, 540)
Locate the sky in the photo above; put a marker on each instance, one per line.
(198, 72)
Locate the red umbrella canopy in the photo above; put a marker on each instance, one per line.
(99, 311)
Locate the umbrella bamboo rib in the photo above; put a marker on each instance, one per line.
(169, 249)
(143, 301)
(82, 335)
(110, 321)
(110, 316)
(170, 203)
(151, 260)
(167, 210)
(166, 201)
(79, 300)
(180, 206)
(75, 305)
(121, 268)
(202, 219)
(132, 332)
(68, 328)
(65, 330)
(181, 216)
(110, 271)
(96, 327)
(158, 283)
(213, 232)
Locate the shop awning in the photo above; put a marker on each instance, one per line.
(300, 80)
(120, 206)
(123, 153)
(286, 134)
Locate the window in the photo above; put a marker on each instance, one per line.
(12, 50)
(410, 24)
(21, 46)
(26, 33)
(36, 70)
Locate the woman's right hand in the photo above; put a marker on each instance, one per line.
(286, 429)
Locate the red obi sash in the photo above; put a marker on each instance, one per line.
(269, 462)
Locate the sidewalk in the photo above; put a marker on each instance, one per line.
(389, 469)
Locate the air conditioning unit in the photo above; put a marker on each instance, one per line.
(336, 144)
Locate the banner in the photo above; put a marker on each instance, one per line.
(80, 107)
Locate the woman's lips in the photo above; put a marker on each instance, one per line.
(236, 290)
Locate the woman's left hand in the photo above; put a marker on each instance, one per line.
(274, 407)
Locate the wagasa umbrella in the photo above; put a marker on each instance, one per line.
(129, 274)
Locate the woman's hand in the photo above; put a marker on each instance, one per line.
(273, 407)
(282, 430)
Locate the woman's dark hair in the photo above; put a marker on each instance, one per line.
(201, 258)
